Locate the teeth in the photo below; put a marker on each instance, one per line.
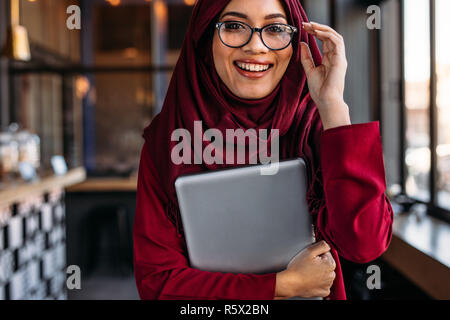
(253, 67)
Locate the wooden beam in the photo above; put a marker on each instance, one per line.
(4, 82)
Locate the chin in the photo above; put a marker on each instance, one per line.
(253, 93)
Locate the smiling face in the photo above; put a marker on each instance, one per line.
(254, 56)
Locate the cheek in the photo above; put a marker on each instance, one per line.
(221, 55)
(284, 60)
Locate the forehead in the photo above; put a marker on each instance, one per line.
(254, 10)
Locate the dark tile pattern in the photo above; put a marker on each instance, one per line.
(33, 249)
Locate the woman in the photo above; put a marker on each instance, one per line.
(264, 81)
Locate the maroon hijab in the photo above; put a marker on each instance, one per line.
(196, 93)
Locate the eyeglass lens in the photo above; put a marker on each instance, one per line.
(235, 34)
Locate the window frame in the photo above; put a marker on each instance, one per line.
(433, 207)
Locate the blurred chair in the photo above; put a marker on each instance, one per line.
(108, 240)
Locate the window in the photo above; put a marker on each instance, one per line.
(443, 102)
(427, 103)
(417, 98)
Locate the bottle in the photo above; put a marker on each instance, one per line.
(29, 148)
(9, 158)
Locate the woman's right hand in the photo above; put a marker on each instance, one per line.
(309, 274)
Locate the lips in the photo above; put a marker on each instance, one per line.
(253, 68)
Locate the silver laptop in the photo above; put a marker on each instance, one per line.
(237, 220)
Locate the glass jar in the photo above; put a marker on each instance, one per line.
(29, 148)
(36, 150)
(9, 155)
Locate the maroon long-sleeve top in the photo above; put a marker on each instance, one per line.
(356, 222)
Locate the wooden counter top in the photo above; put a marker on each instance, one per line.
(420, 251)
(106, 185)
(20, 191)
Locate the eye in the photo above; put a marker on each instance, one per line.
(233, 26)
(277, 29)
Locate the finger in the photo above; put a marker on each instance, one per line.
(333, 275)
(330, 283)
(326, 256)
(328, 260)
(329, 257)
(333, 262)
(312, 29)
(324, 293)
(323, 27)
(319, 248)
(308, 27)
(328, 36)
(331, 279)
(306, 58)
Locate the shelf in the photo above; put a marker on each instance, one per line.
(106, 185)
(20, 191)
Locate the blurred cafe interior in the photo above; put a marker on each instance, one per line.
(75, 96)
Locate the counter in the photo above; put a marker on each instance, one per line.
(419, 250)
(106, 185)
(19, 191)
(33, 237)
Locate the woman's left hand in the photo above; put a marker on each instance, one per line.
(326, 82)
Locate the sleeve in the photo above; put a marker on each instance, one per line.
(358, 217)
(161, 264)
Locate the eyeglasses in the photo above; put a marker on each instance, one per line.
(236, 34)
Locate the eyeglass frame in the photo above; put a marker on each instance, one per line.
(259, 30)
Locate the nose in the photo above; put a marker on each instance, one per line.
(256, 44)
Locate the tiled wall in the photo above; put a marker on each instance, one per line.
(33, 249)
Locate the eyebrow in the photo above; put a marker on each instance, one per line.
(244, 16)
